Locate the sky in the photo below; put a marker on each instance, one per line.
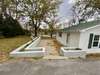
(65, 10)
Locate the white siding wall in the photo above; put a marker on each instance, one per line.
(62, 39)
(74, 39)
(84, 37)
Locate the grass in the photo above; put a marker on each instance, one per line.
(9, 44)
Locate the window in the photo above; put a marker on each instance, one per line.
(96, 41)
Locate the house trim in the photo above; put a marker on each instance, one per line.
(89, 28)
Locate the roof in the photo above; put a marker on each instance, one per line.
(81, 26)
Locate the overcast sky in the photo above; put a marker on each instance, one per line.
(65, 9)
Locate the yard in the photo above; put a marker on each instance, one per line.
(51, 45)
(8, 44)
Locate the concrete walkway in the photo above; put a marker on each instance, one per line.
(51, 47)
(51, 67)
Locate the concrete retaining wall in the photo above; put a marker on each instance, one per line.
(35, 42)
(72, 53)
(32, 50)
(39, 53)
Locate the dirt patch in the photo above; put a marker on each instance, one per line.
(57, 45)
(51, 45)
(3, 56)
(93, 56)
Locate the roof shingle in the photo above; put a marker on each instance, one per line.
(81, 26)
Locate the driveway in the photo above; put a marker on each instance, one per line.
(51, 67)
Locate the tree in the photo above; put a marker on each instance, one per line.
(38, 11)
(84, 9)
(52, 26)
(8, 25)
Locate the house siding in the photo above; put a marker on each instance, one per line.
(61, 39)
(84, 37)
(74, 39)
(79, 39)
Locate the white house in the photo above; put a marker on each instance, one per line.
(84, 35)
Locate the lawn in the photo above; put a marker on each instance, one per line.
(9, 44)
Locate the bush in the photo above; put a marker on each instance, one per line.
(10, 27)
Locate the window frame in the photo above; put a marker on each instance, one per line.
(94, 41)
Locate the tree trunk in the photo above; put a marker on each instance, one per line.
(51, 35)
(35, 32)
(2, 7)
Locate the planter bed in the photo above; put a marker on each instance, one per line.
(35, 42)
(29, 50)
(72, 52)
(39, 52)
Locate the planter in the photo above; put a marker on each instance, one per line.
(35, 42)
(71, 52)
(29, 50)
(36, 52)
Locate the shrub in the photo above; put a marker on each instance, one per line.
(10, 27)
